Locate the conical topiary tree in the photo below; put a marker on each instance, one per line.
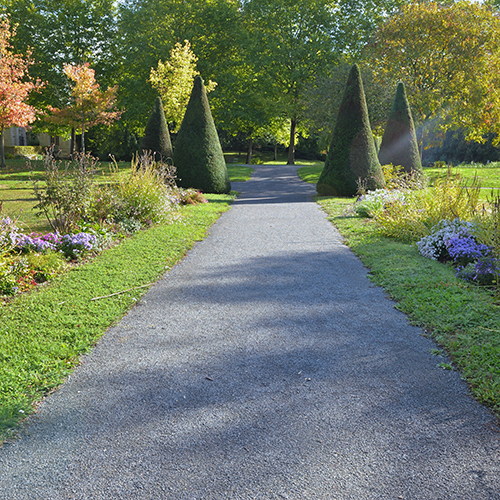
(198, 155)
(399, 143)
(352, 155)
(156, 136)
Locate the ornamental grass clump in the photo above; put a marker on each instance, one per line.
(147, 193)
(414, 217)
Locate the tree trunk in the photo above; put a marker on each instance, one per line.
(249, 152)
(275, 151)
(83, 139)
(291, 149)
(2, 148)
(72, 148)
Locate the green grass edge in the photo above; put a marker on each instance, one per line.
(44, 333)
(463, 319)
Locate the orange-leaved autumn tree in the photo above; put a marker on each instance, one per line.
(15, 86)
(88, 105)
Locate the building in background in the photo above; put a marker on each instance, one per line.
(18, 136)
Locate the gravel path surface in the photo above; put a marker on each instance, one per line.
(264, 366)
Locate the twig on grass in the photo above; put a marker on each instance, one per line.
(123, 291)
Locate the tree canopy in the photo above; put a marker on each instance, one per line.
(276, 62)
(448, 57)
(88, 105)
(15, 85)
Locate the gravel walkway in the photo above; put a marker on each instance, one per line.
(264, 366)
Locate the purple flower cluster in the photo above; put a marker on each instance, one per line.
(9, 232)
(38, 242)
(75, 245)
(476, 260)
(465, 248)
(72, 245)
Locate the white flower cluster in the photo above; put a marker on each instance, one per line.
(433, 246)
(373, 202)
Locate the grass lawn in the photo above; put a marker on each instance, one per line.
(464, 319)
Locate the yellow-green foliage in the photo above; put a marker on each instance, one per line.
(422, 209)
(487, 223)
(391, 175)
(145, 193)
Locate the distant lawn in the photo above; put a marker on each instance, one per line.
(17, 197)
(311, 173)
(487, 176)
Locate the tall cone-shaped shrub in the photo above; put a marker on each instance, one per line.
(198, 155)
(156, 136)
(352, 155)
(399, 143)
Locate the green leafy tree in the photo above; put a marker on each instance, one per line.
(173, 79)
(65, 32)
(399, 142)
(292, 43)
(352, 157)
(198, 155)
(150, 28)
(447, 55)
(295, 43)
(88, 105)
(157, 137)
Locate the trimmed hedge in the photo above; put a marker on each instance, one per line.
(198, 155)
(352, 156)
(156, 136)
(399, 143)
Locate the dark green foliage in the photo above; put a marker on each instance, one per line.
(352, 156)
(156, 136)
(198, 155)
(399, 143)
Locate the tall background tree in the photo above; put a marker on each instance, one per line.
(15, 86)
(66, 32)
(88, 105)
(173, 79)
(448, 57)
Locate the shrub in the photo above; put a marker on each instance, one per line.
(352, 155)
(46, 266)
(399, 142)
(66, 198)
(191, 197)
(198, 154)
(373, 203)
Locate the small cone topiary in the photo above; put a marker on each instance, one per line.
(156, 136)
(399, 143)
(198, 155)
(352, 155)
